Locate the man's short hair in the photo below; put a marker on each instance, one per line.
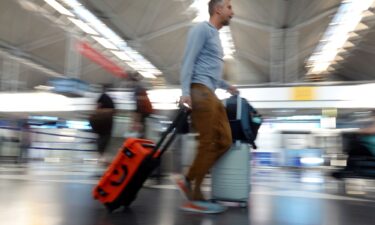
(212, 4)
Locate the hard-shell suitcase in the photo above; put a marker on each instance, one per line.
(231, 173)
(134, 162)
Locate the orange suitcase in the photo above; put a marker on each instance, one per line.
(134, 162)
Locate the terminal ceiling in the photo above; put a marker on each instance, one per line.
(272, 39)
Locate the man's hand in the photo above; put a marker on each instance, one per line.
(233, 90)
(186, 100)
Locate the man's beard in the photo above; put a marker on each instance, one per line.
(226, 22)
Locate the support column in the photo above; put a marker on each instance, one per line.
(10, 75)
(277, 56)
(291, 57)
(72, 58)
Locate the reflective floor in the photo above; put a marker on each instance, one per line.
(60, 194)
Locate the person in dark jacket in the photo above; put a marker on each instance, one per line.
(360, 148)
(143, 105)
(101, 122)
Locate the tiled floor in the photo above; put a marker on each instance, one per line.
(60, 194)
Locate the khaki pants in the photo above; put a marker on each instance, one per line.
(210, 120)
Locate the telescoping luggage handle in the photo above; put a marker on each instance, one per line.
(239, 106)
(183, 113)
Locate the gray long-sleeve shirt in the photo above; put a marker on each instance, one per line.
(203, 59)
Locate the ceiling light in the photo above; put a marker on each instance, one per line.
(72, 3)
(227, 42)
(368, 14)
(104, 42)
(136, 65)
(201, 9)
(83, 26)
(353, 36)
(348, 44)
(147, 74)
(29, 6)
(339, 58)
(108, 38)
(361, 27)
(335, 39)
(122, 55)
(58, 7)
(319, 67)
(97, 24)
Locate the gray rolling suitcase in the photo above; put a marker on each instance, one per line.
(231, 174)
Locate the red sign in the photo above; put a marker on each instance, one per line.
(86, 50)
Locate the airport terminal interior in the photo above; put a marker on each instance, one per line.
(305, 66)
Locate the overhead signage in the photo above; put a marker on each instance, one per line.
(92, 54)
(303, 93)
(329, 112)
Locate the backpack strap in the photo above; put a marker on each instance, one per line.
(239, 108)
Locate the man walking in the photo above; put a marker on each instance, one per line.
(201, 74)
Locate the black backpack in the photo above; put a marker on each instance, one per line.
(244, 124)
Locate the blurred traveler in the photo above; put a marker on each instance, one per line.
(361, 153)
(201, 74)
(25, 142)
(143, 105)
(101, 122)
